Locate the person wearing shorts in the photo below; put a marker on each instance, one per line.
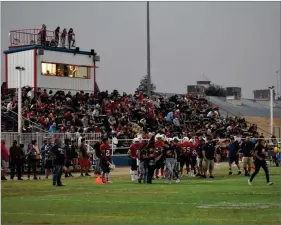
(247, 149)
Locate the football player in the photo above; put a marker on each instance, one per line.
(159, 147)
(106, 160)
(133, 153)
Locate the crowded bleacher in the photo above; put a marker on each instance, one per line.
(122, 116)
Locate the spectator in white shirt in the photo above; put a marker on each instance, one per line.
(10, 106)
(210, 114)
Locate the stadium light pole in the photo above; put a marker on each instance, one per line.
(271, 89)
(19, 69)
(277, 77)
(148, 50)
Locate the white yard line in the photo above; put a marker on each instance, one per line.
(111, 202)
(228, 205)
(63, 215)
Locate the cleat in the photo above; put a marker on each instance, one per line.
(250, 183)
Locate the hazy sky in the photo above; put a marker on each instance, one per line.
(232, 43)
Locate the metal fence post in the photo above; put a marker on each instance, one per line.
(112, 146)
(37, 138)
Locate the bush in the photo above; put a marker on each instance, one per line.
(215, 90)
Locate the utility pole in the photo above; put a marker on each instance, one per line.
(277, 77)
(271, 89)
(19, 69)
(148, 50)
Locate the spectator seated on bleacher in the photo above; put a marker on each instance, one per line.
(125, 116)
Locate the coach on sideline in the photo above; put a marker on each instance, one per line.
(209, 152)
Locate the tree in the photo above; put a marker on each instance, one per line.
(215, 90)
(143, 86)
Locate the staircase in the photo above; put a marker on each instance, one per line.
(8, 123)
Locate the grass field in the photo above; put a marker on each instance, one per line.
(225, 200)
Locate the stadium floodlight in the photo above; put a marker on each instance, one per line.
(19, 69)
(271, 89)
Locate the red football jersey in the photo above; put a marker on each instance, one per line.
(135, 150)
(187, 148)
(159, 144)
(105, 152)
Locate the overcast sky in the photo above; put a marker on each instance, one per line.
(232, 43)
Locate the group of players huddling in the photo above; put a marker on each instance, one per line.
(169, 156)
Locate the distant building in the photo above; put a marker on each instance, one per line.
(233, 93)
(195, 90)
(263, 94)
(204, 84)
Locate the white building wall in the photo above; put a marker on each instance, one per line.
(66, 58)
(66, 83)
(24, 59)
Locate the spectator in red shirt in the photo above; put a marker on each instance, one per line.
(43, 34)
(4, 159)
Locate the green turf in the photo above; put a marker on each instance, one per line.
(225, 200)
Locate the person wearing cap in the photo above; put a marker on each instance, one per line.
(200, 157)
(15, 160)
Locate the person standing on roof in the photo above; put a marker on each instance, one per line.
(71, 38)
(43, 34)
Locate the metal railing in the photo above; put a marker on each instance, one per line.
(32, 37)
(35, 127)
(26, 138)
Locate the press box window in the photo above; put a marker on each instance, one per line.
(48, 69)
(65, 70)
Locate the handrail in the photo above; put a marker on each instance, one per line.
(32, 36)
(36, 125)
